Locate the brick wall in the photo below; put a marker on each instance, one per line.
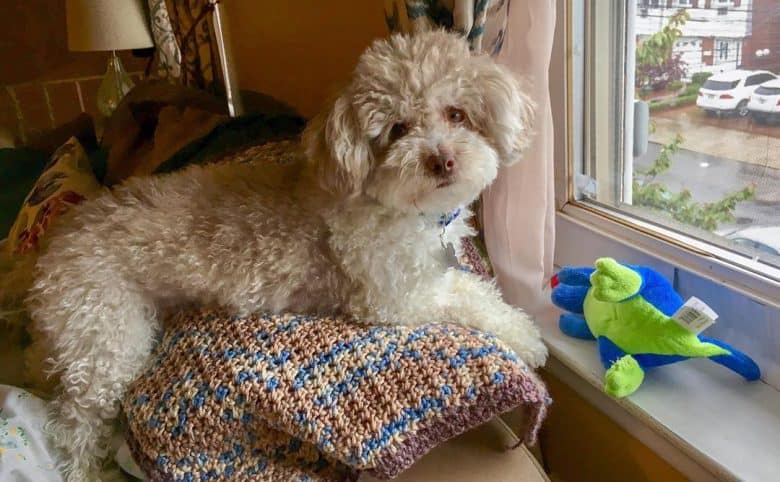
(765, 35)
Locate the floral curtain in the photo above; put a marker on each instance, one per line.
(167, 64)
(186, 47)
(518, 209)
(481, 21)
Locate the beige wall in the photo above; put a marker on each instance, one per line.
(299, 50)
(34, 47)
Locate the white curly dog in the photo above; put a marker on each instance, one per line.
(420, 130)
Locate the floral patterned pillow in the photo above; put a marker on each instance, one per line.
(65, 181)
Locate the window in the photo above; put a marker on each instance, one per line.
(720, 84)
(675, 146)
(647, 155)
(754, 80)
(723, 50)
(759, 79)
(766, 90)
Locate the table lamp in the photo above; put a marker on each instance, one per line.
(108, 25)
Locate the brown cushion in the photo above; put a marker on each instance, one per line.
(66, 180)
(149, 124)
(173, 128)
(479, 454)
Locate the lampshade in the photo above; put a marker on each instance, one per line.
(107, 25)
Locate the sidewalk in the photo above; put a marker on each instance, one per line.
(719, 142)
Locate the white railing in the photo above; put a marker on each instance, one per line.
(23, 129)
(725, 21)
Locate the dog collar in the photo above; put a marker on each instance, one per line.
(444, 219)
(447, 218)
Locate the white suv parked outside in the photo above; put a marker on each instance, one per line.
(730, 91)
(765, 102)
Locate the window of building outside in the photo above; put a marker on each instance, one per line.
(724, 50)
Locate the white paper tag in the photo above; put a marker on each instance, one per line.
(695, 316)
(450, 256)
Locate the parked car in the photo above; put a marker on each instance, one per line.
(764, 239)
(765, 101)
(731, 91)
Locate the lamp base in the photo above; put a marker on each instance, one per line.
(114, 86)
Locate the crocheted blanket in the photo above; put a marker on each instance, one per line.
(309, 398)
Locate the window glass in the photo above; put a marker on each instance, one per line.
(677, 130)
(720, 84)
(724, 50)
(758, 79)
(764, 90)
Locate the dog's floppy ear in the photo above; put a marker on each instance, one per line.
(337, 145)
(507, 112)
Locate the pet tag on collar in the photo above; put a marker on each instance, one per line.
(450, 256)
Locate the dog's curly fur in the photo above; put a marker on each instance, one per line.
(421, 129)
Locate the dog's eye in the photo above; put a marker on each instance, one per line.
(398, 130)
(455, 115)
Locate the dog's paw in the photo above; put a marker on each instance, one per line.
(523, 337)
(81, 435)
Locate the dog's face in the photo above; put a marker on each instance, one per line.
(423, 126)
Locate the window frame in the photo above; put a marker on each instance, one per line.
(745, 277)
(660, 417)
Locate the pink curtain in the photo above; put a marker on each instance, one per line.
(519, 207)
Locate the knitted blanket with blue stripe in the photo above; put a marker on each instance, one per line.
(288, 397)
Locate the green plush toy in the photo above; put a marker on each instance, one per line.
(629, 311)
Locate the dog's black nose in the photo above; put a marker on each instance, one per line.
(441, 164)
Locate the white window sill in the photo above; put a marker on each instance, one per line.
(703, 419)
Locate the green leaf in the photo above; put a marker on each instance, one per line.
(681, 205)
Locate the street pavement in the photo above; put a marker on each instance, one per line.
(719, 156)
(710, 177)
(753, 147)
(737, 145)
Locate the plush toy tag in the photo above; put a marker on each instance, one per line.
(695, 316)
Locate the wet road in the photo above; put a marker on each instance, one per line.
(709, 178)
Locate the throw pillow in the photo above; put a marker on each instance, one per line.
(19, 169)
(66, 180)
